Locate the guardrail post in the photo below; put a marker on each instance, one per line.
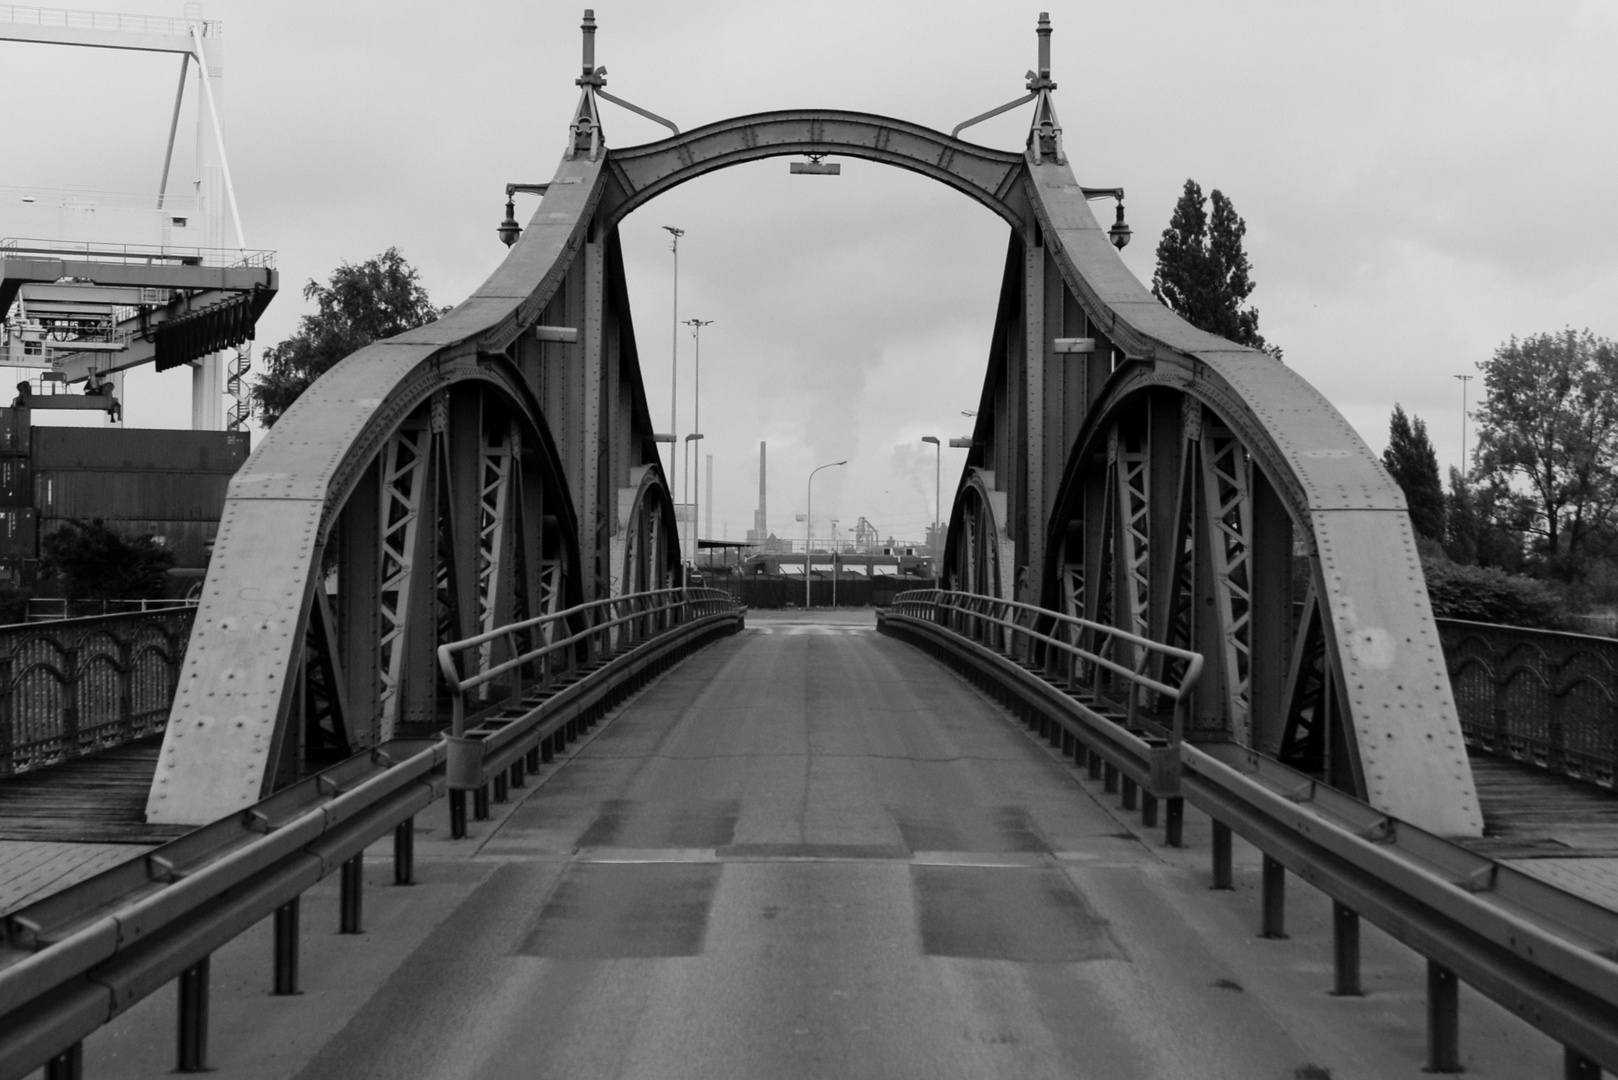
(500, 787)
(1221, 857)
(191, 1042)
(517, 775)
(68, 1065)
(1345, 925)
(547, 750)
(1148, 809)
(286, 947)
(1443, 1019)
(480, 803)
(533, 758)
(1275, 900)
(1174, 821)
(404, 852)
(351, 895)
(1093, 763)
(1109, 777)
(457, 815)
(1575, 1066)
(1129, 793)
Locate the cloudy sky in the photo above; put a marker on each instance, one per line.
(1420, 182)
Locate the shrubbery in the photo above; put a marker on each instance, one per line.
(1486, 594)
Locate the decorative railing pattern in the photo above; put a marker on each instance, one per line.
(1538, 696)
(75, 686)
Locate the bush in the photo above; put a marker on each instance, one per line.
(1485, 594)
(95, 563)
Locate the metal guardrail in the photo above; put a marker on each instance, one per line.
(75, 960)
(529, 667)
(75, 686)
(1544, 954)
(1539, 696)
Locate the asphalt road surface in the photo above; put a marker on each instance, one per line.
(810, 851)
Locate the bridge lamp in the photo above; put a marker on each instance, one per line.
(1074, 344)
(815, 167)
(1120, 233)
(509, 230)
(567, 334)
(962, 444)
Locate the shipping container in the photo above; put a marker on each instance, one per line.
(161, 496)
(139, 450)
(13, 433)
(18, 532)
(16, 480)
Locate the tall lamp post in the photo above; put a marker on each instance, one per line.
(695, 536)
(696, 326)
(809, 527)
(938, 471)
(674, 355)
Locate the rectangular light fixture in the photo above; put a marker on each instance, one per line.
(816, 168)
(663, 438)
(1075, 344)
(961, 444)
(569, 334)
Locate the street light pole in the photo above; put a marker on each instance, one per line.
(938, 472)
(696, 326)
(696, 543)
(1464, 380)
(809, 528)
(674, 357)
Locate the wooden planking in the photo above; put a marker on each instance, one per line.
(96, 799)
(1530, 813)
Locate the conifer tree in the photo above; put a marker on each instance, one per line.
(1202, 271)
(1414, 467)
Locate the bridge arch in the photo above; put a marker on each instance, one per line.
(985, 175)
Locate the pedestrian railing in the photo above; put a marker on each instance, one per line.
(1546, 698)
(513, 688)
(75, 686)
(1543, 953)
(75, 960)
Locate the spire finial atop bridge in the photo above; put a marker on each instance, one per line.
(1045, 137)
(586, 127)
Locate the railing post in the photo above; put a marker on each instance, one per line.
(1575, 1066)
(457, 814)
(126, 689)
(286, 947)
(1221, 857)
(1443, 1019)
(1345, 924)
(351, 894)
(70, 701)
(1275, 900)
(191, 1027)
(8, 718)
(404, 852)
(1174, 821)
(68, 1065)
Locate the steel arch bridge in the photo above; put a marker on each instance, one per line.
(500, 463)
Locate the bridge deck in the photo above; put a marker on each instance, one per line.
(810, 851)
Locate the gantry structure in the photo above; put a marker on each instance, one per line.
(1125, 467)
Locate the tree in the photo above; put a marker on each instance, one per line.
(1202, 272)
(1548, 435)
(377, 299)
(96, 563)
(1411, 462)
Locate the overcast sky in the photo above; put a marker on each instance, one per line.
(1419, 181)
